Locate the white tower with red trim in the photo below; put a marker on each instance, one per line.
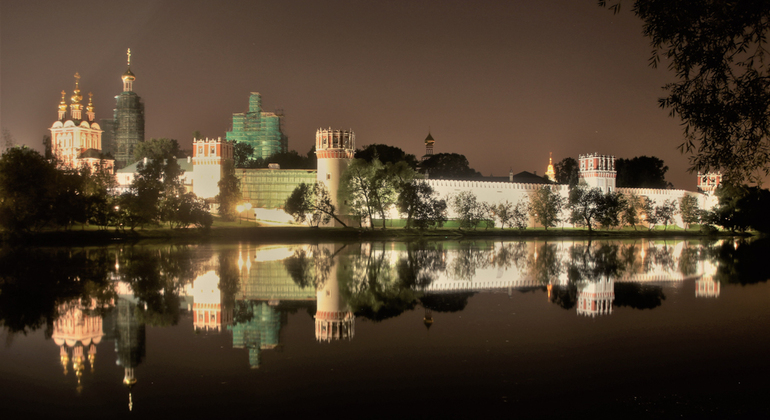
(598, 171)
(209, 156)
(334, 150)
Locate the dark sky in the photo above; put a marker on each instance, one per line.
(502, 82)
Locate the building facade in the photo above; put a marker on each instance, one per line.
(261, 130)
(76, 140)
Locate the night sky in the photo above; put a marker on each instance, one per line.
(502, 82)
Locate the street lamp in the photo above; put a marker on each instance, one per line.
(241, 208)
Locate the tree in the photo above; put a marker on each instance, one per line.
(688, 206)
(504, 212)
(370, 188)
(567, 171)
(47, 147)
(641, 172)
(28, 189)
(632, 209)
(229, 192)
(162, 148)
(311, 203)
(717, 49)
(158, 183)
(468, 209)
(665, 212)
(242, 153)
(584, 203)
(447, 166)
(417, 200)
(546, 206)
(650, 215)
(520, 214)
(386, 154)
(356, 188)
(611, 206)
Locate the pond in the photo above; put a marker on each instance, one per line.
(526, 329)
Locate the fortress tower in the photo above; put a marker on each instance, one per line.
(208, 160)
(596, 298)
(334, 150)
(429, 142)
(333, 319)
(598, 171)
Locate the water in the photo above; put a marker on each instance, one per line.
(640, 329)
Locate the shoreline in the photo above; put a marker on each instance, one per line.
(350, 234)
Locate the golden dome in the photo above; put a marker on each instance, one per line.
(90, 107)
(62, 104)
(76, 97)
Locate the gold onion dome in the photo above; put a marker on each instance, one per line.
(76, 97)
(90, 107)
(128, 75)
(62, 104)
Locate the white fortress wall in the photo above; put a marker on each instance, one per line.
(490, 192)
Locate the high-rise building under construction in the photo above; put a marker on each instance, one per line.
(126, 129)
(262, 130)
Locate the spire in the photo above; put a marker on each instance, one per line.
(62, 106)
(128, 77)
(549, 172)
(76, 107)
(90, 107)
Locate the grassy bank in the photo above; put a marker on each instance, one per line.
(253, 232)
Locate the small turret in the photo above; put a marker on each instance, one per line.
(128, 77)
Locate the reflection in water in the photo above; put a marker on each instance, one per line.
(86, 297)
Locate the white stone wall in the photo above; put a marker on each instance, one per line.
(497, 192)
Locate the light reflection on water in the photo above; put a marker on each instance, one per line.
(459, 322)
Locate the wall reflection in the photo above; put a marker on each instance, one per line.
(91, 296)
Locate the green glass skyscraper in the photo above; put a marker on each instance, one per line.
(262, 130)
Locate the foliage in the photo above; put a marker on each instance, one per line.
(611, 207)
(742, 207)
(28, 190)
(448, 166)
(229, 192)
(650, 215)
(468, 209)
(370, 188)
(160, 194)
(505, 213)
(567, 171)
(286, 160)
(418, 201)
(162, 148)
(242, 153)
(688, 207)
(386, 154)
(631, 210)
(311, 204)
(665, 212)
(546, 206)
(717, 49)
(488, 214)
(584, 204)
(641, 172)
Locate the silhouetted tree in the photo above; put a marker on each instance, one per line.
(717, 49)
(641, 172)
(448, 166)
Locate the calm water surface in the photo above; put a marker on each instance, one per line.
(639, 329)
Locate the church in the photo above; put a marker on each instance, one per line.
(76, 140)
